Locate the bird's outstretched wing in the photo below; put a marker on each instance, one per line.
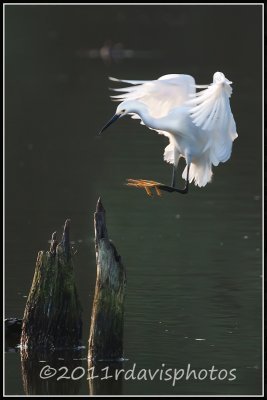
(161, 95)
(210, 110)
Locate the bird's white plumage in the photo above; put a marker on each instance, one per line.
(199, 125)
(210, 110)
(161, 95)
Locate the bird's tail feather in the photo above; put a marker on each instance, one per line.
(200, 172)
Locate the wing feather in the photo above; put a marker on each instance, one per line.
(210, 110)
(160, 95)
(126, 81)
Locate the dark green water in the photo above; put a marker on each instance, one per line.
(194, 262)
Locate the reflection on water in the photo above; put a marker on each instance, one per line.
(111, 53)
(104, 379)
(49, 373)
(193, 262)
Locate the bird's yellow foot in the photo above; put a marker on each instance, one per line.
(145, 184)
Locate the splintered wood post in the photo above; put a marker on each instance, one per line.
(106, 332)
(52, 316)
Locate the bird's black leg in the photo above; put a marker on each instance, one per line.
(174, 189)
(187, 179)
(173, 176)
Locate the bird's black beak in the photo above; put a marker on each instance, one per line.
(113, 119)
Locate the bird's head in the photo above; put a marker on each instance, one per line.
(123, 109)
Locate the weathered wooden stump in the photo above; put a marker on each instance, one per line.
(52, 316)
(106, 332)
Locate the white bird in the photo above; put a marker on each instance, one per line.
(200, 125)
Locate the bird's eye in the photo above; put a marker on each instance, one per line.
(123, 111)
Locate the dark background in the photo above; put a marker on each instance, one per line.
(193, 262)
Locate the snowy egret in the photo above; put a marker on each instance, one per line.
(200, 125)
